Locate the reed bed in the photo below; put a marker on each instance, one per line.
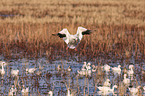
(26, 28)
(37, 40)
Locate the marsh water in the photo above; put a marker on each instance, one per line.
(47, 77)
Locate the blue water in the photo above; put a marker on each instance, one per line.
(57, 82)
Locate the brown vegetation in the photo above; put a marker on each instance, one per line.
(26, 27)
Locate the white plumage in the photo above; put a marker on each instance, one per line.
(69, 92)
(85, 70)
(106, 68)
(126, 81)
(69, 69)
(133, 90)
(107, 89)
(73, 40)
(144, 88)
(107, 83)
(94, 68)
(12, 91)
(25, 91)
(2, 71)
(30, 70)
(14, 72)
(3, 63)
(50, 93)
(117, 70)
(130, 72)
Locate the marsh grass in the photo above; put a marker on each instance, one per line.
(27, 26)
(36, 40)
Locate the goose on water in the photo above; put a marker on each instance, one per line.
(144, 88)
(117, 70)
(71, 92)
(94, 68)
(106, 68)
(85, 64)
(12, 91)
(130, 72)
(30, 70)
(69, 69)
(134, 90)
(126, 80)
(73, 40)
(2, 71)
(50, 93)
(14, 72)
(25, 91)
(3, 63)
(107, 83)
(107, 89)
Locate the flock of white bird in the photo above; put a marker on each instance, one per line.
(15, 73)
(24, 91)
(86, 70)
(106, 88)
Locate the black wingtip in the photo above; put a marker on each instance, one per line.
(60, 35)
(87, 32)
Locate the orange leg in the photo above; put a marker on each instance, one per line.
(76, 49)
(66, 48)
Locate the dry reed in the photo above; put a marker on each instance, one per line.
(119, 26)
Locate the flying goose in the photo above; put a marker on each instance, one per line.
(73, 40)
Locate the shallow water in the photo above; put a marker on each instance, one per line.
(59, 81)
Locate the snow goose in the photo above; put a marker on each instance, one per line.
(25, 91)
(71, 92)
(89, 70)
(14, 72)
(107, 83)
(126, 81)
(133, 90)
(50, 93)
(30, 70)
(73, 40)
(94, 68)
(3, 63)
(88, 66)
(58, 68)
(2, 71)
(12, 91)
(107, 89)
(144, 88)
(130, 72)
(106, 68)
(81, 72)
(69, 69)
(117, 70)
(84, 66)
